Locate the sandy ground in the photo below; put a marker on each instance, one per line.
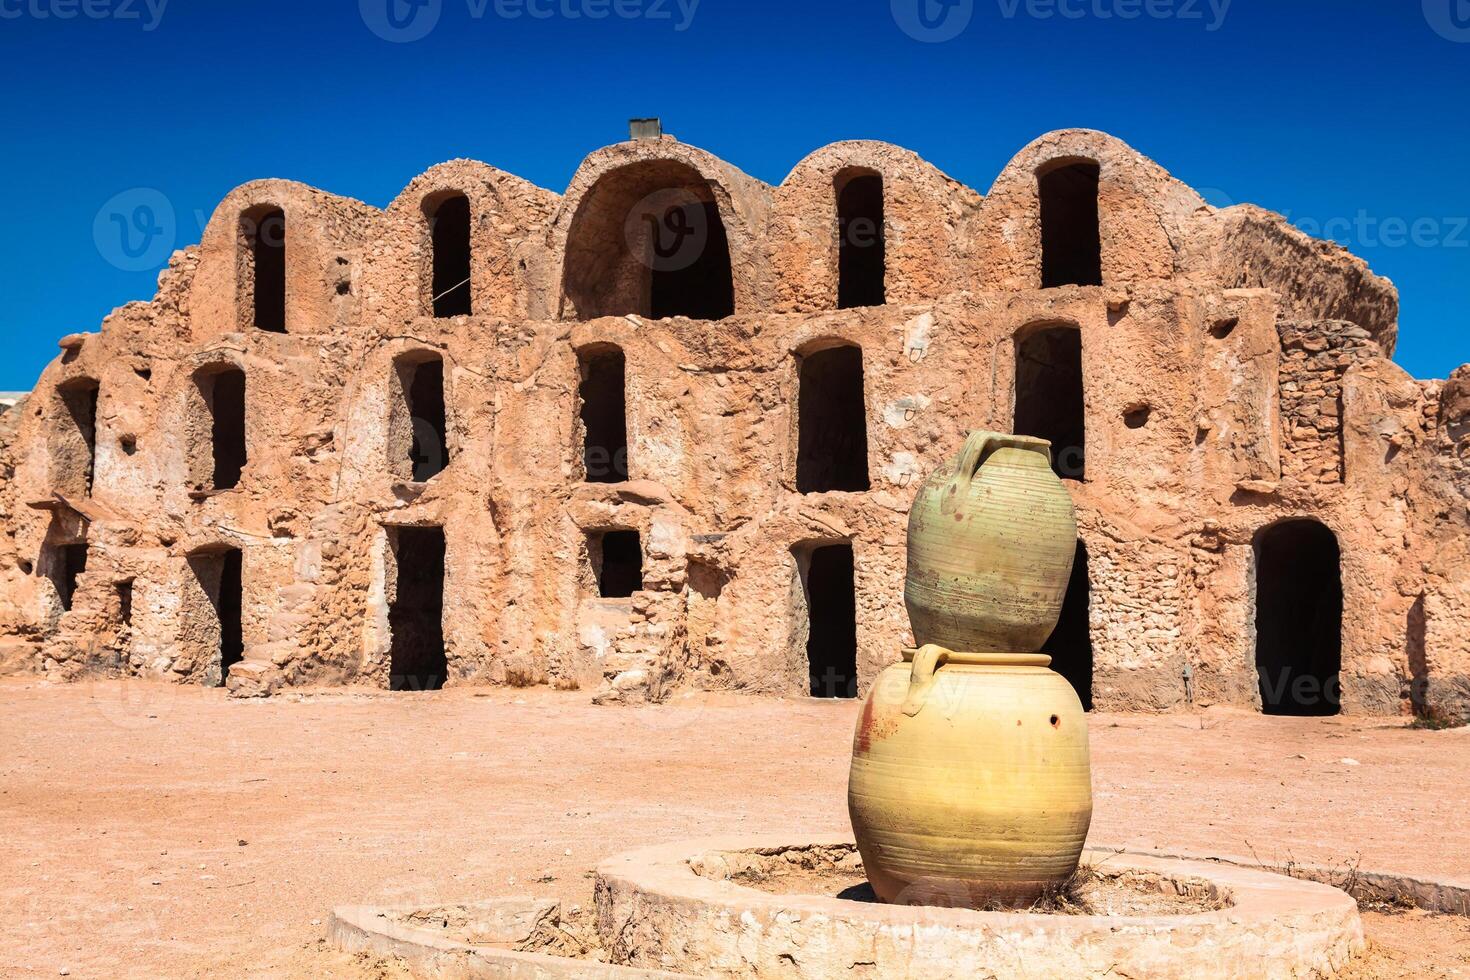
(149, 830)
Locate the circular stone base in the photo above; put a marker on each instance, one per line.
(683, 907)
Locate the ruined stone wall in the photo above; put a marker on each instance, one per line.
(1235, 375)
(1315, 358)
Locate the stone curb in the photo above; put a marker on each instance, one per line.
(1448, 896)
(654, 910)
(362, 928)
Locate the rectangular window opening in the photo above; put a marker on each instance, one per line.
(618, 563)
(223, 392)
(451, 245)
(75, 457)
(263, 267)
(832, 422)
(603, 370)
(426, 424)
(861, 257)
(124, 590)
(1071, 237)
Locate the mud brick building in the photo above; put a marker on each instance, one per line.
(662, 431)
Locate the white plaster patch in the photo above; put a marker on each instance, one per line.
(903, 470)
(900, 412)
(917, 335)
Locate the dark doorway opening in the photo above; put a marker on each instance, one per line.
(831, 645)
(423, 386)
(832, 422)
(861, 261)
(690, 262)
(1299, 619)
(1070, 645)
(450, 223)
(220, 575)
(124, 591)
(1049, 400)
(230, 605)
(263, 239)
(68, 563)
(1071, 240)
(603, 371)
(1416, 643)
(224, 394)
(416, 612)
(618, 562)
(79, 399)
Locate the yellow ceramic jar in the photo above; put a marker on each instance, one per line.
(992, 536)
(971, 784)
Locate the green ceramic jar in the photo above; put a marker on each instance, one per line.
(992, 537)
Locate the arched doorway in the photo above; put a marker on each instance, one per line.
(1298, 618)
(648, 239)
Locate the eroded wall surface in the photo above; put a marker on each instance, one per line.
(1236, 375)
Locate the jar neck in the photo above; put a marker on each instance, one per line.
(988, 659)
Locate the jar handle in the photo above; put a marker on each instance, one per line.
(927, 662)
(979, 447)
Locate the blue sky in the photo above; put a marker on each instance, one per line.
(1346, 115)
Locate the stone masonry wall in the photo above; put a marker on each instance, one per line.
(1235, 376)
(1315, 356)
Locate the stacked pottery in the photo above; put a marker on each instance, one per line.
(971, 782)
